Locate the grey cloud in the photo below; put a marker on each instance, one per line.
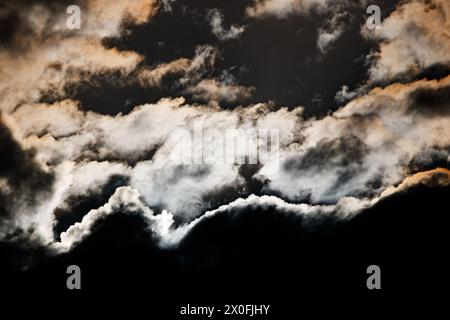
(27, 191)
(432, 102)
(122, 145)
(359, 150)
(331, 31)
(344, 156)
(167, 5)
(22, 178)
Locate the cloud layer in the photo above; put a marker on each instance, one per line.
(334, 165)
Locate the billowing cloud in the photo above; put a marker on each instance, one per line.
(337, 165)
(415, 36)
(128, 201)
(366, 145)
(165, 130)
(52, 56)
(22, 178)
(359, 151)
(29, 190)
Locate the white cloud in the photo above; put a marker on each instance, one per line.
(413, 37)
(216, 21)
(370, 140)
(283, 8)
(128, 200)
(91, 140)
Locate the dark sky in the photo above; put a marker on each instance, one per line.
(279, 57)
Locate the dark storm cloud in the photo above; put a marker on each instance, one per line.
(94, 152)
(341, 152)
(431, 102)
(170, 235)
(110, 93)
(429, 159)
(8, 22)
(25, 179)
(76, 206)
(346, 155)
(267, 251)
(435, 71)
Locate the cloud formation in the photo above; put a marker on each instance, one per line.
(365, 146)
(161, 226)
(51, 56)
(332, 30)
(127, 200)
(359, 151)
(336, 165)
(415, 36)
